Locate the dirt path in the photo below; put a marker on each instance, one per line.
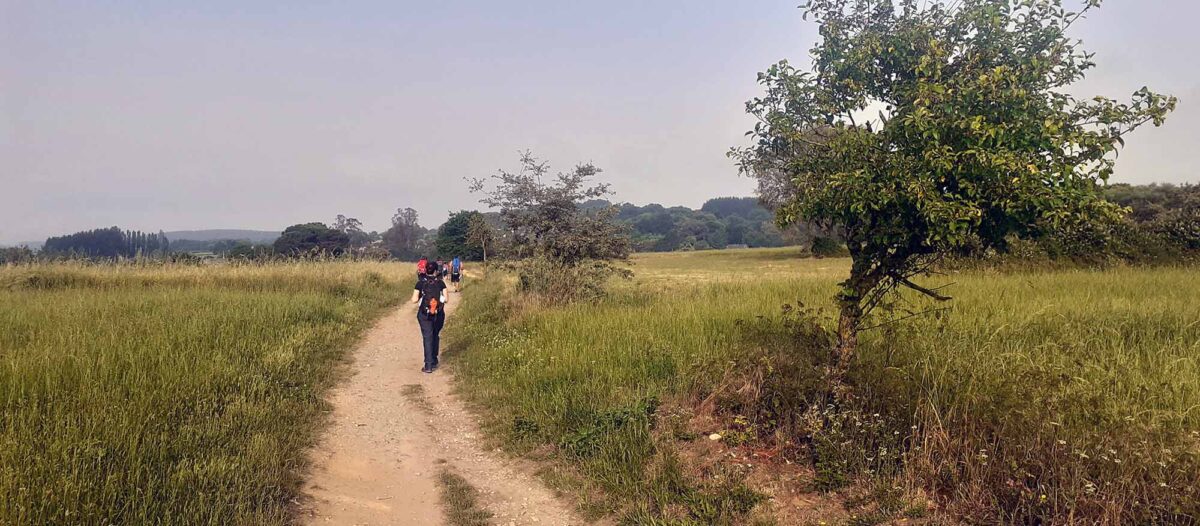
(395, 428)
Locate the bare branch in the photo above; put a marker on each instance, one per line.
(926, 291)
(902, 318)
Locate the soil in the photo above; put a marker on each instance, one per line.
(392, 432)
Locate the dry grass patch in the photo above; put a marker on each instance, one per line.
(461, 502)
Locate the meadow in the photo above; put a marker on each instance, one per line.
(171, 394)
(1059, 396)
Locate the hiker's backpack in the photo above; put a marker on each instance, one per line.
(455, 266)
(421, 266)
(430, 304)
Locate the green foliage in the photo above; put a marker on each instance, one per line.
(1161, 226)
(559, 283)
(674, 499)
(311, 239)
(744, 207)
(827, 247)
(452, 237)
(1178, 221)
(482, 236)
(719, 223)
(548, 220)
(920, 131)
(1147, 203)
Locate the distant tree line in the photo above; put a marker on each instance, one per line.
(109, 242)
(1163, 207)
(1162, 223)
(405, 239)
(16, 255)
(718, 224)
(1155, 223)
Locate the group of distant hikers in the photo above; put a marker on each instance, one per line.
(430, 297)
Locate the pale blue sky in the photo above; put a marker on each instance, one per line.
(184, 115)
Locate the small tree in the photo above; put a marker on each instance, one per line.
(923, 130)
(546, 222)
(481, 235)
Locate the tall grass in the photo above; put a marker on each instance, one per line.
(1058, 394)
(1066, 396)
(170, 394)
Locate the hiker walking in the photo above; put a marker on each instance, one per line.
(456, 274)
(430, 297)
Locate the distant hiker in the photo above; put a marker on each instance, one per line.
(421, 267)
(430, 297)
(445, 270)
(456, 273)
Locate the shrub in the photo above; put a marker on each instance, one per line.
(561, 283)
(828, 247)
(568, 248)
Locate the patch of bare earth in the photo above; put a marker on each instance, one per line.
(400, 439)
(790, 486)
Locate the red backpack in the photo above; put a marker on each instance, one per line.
(421, 266)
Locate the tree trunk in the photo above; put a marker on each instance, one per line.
(862, 281)
(847, 337)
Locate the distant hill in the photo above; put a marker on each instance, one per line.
(253, 236)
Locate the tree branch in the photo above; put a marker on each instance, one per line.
(902, 318)
(928, 292)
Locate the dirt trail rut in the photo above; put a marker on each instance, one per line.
(378, 462)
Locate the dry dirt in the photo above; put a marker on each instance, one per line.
(379, 459)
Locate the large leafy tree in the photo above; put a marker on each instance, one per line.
(452, 236)
(923, 129)
(310, 239)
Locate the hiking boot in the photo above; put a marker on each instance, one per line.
(427, 370)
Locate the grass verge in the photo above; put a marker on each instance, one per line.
(137, 394)
(1062, 396)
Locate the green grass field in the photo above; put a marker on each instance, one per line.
(1063, 396)
(189, 394)
(170, 394)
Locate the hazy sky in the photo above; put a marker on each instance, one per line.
(261, 114)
